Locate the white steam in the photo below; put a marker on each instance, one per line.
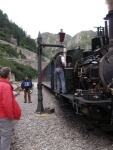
(110, 4)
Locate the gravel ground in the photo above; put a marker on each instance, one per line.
(61, 130)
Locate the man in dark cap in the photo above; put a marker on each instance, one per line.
(60, 63)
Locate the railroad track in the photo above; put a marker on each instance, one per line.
(90, 126)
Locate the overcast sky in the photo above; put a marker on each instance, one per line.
(72, 16)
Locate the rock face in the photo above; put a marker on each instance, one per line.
(31, 57)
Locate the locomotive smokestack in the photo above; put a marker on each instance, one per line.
(109, 17)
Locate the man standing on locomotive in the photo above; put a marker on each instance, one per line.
(60, 63)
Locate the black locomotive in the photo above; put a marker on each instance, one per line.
(89, 77)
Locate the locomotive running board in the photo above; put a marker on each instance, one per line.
(69, 96)
(46, 84)
(91, 101)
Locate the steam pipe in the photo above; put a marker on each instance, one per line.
(109, 17)
(97, 31)
(106, 29)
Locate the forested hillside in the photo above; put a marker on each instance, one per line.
(10, 30)
(11, 33)
(81, 39)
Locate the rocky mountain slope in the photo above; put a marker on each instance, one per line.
(81, 39)
(31, 57)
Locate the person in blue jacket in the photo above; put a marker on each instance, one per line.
(26, 85)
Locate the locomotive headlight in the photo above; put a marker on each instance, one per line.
(61, 35)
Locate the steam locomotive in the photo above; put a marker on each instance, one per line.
(89, 77)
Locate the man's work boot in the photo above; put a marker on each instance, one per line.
(25, 100)
(30, 101)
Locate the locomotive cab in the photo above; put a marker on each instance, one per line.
(99, 45)
(69, 76)
(101, 39)
(98, 42)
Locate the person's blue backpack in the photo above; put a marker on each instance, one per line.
(26, 84)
